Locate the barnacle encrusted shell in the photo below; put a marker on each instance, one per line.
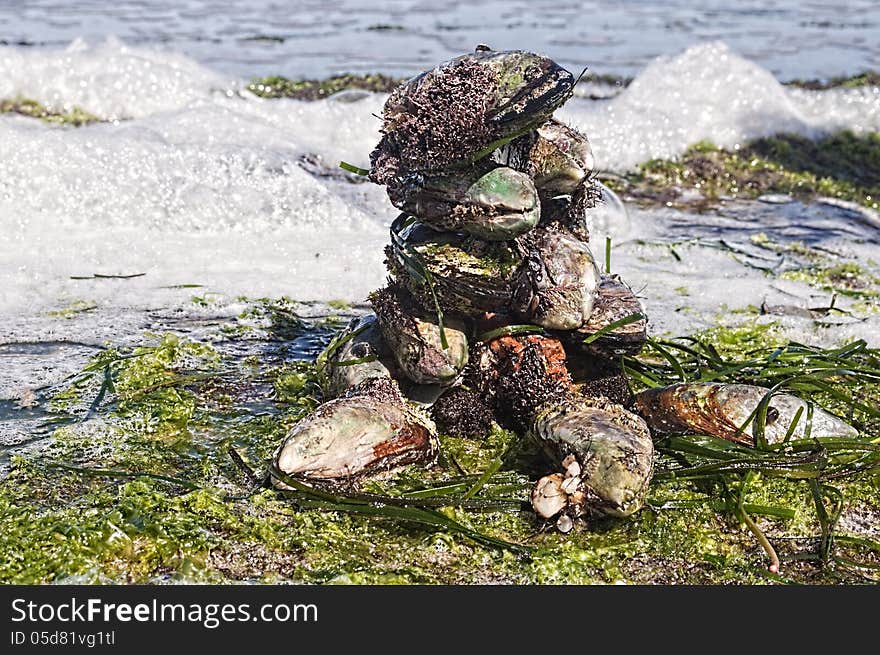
(556, 156)
(415, 340)
(518, 374)
(368, 430)
(464, 109)
(469, 276)
(557, 283)
(612, 446)
(721, 410)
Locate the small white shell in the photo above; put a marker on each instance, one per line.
(570, 485)
(548, 498)
(564, 523)
(571, 466)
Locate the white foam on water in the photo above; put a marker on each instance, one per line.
(110, 79)
(201, 186)
(204, 183)
(710, 93)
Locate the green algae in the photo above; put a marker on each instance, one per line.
(824, 271)
(847, 279)
(495, 260)
(152, 494)
(844, 165)
(281, 87)
(75, 117)
(609, 79)
(277, 86)
(863, 79)
(792, 247)
(74, 308)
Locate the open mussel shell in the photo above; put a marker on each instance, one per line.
(612, 447)
(557, 282)
(464, 109)
(725, 410)
(356, 354)
(556, 156)
(369, 430)
(617, 307)
(415, 339)
(489, 202)
(466, 276)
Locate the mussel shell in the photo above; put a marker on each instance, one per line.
(573, 213)
(369, 430)
(415, 340)
(464, 109)
(721, 410)
(491, 202)
(361, 355)
(556, 156)
(612, 446)
(557, 283)
(469, 276)
(614, 302)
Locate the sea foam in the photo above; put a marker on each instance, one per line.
(708, 93)
(199, 181)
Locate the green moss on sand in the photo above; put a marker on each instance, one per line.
(75, 116)
(74, 308)
(282, 87)
(139, 486)
(843, 165)
(848, 279)
(865, 78)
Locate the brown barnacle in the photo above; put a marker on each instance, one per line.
(548, 497)
(369, 430)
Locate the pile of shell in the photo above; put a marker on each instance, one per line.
(495, 309)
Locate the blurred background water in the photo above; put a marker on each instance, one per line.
(315, 38)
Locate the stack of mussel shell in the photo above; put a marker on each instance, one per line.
(495, 309)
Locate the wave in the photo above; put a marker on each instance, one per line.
(710, 93)
(189, 152)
